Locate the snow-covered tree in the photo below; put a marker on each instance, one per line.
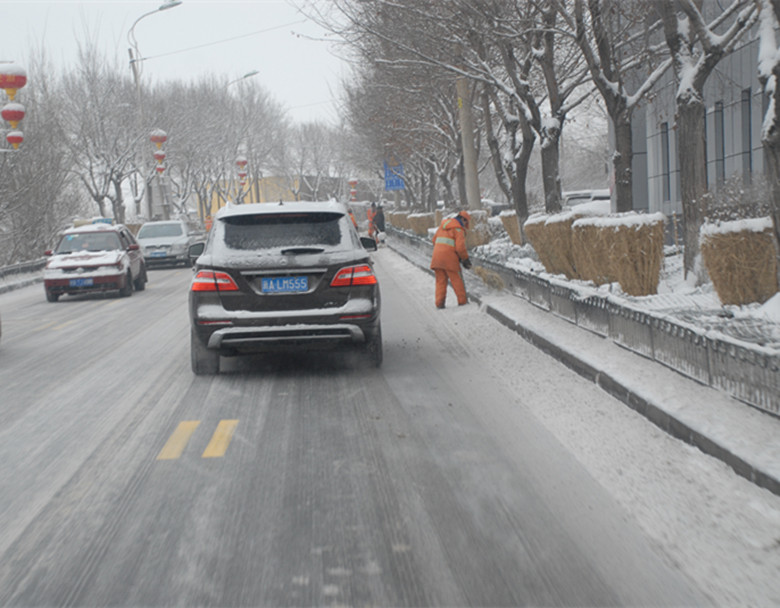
(696, 49)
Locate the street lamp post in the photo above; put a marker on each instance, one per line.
(135, 54)
(241, 161)
(135, 67)
(244, 77)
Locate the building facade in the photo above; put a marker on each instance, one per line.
(735, 108)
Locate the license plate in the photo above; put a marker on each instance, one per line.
(284, 284)
(81, 282)
(159, 254)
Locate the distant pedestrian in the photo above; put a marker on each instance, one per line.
(449, 253)
(379, 223)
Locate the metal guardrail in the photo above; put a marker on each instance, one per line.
(748, 372)
(22, 268)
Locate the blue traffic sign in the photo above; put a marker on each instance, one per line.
(394, 177)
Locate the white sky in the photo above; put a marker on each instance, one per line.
(294, 63)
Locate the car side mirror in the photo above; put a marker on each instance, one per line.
(195, 250)
(134, 247)
(48, 252)
(368, 243)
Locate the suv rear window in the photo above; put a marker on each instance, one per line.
(270, 231)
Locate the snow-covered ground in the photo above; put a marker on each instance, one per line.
(717, 527)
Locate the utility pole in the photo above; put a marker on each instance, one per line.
(467, 142)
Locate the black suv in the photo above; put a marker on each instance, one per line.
(282, 276)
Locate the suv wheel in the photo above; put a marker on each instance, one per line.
(127, 290)
(204, 361)
(51, 296)
(140, 282)
(373, 347)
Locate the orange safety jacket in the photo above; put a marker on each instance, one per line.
(449, 246)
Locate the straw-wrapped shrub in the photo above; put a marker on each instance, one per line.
(420, 223)
(479, 231)
(592, 251)
(627, 248)
(741, 260)
(511, 224)
(558, 236)
(551, 238)
(535, 231)
(398, 219)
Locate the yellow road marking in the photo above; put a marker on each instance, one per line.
(221, 439)
(61, 325)
(178, 441)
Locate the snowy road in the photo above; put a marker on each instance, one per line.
(469, 470)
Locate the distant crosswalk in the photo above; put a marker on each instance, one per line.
(183, 435)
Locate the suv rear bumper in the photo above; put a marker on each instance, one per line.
(243, 331)
(292, 336)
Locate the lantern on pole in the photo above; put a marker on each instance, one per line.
(158, 137)
(15, 138)
(241, 162)
(13, 113)
(12, 78)
(352, 189)
(159, 156)
(160, 169)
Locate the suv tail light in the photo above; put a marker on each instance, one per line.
(209, 280)
(354, 275)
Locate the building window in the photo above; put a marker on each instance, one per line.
(666, 169)
(747, 137)
(720, 144)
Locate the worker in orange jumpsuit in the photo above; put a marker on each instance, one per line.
(371, 214)
(352, 217)
(449, 252)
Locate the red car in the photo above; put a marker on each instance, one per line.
(94, 258)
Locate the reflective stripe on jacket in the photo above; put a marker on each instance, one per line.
(449, 245)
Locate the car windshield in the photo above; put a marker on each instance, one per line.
(272, 231)
(88, 241)
(153, 231)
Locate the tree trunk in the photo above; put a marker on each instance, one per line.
(432, 179)
(551, 173)
(462, 185)
(771, 144)
(621, 162)
(693, 176)
(520, 175)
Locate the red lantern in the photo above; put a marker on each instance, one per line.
(160, 169)
(12, 78)
(352, 189)
(242, 174)
(15, 138)
(13, 113)
(159, 156)
(158, 137)
(241, 162)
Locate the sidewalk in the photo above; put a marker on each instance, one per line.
(746, 439)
